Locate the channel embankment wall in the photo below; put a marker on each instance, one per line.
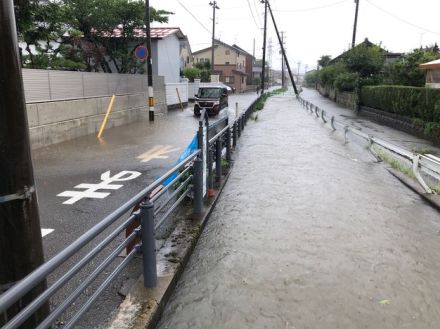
(346, 99)
(64, 105)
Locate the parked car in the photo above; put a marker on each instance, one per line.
(211, 98)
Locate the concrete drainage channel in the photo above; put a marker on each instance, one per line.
(420, 172)
(142, 307)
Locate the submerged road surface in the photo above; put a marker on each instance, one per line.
(73, 181)
(310, 233)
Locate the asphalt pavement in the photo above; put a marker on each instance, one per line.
(129, 156)
(309, 233)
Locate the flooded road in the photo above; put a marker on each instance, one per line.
(310, 233)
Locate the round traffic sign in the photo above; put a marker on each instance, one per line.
(141, 53)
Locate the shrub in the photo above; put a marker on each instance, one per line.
(328, 74)
(192, 73)
(414, 102)
(432, 129)
(346, 81)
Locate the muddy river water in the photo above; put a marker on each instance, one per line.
(310, 233)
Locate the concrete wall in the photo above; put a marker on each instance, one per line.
(172, 99)
(346, 99)
(53, 122)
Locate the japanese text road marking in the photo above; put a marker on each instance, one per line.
(46, 231)
(91, 190)
(157, 152)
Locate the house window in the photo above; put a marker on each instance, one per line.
(435, 76)
(227, 79)
(187, 59)
(242, 79)
(227, 52)
(226, 63)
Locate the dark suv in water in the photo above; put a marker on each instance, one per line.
(212, 98)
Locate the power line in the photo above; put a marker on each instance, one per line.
(401, 19)
(256, 10)
(312, 8)
(189, 12)
(252, 13)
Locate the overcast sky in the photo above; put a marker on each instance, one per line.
(312, 28)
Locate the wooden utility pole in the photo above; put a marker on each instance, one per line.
(149, 62)
(282, 49)
(263, 67)
(282, 61)
(214, 6)
(21, 249)
(353, 42)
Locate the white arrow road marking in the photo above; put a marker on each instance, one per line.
(46, 231)
(91, 190)
(157, 152)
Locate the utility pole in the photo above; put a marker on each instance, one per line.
(353, 42)
(282, 48)
(282, 62)
(21, 249)
(149, 63)
(269, 63)
(263, 67)
(214, 6)
(317, 70)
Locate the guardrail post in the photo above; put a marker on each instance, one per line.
(210, 176)
(228, 144)
(333, 123)
(234, 134)
(239, 126)
(148, 244)
(218, 160)
(198, 185)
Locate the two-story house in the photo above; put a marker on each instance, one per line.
(231, 63)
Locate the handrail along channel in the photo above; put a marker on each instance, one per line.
(189, 179)
(429, 164)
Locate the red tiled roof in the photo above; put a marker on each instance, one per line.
(155, 32)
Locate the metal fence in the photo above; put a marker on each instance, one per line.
(429, 165)
(51, 85)
(187, 180)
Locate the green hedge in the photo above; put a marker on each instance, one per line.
(414, 102)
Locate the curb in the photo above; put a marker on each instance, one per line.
(432, 199)
(142, 307)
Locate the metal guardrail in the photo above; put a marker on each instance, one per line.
(149, 216)
(428, 164)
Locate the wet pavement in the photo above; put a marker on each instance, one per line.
(310, 233)
(350, 117)
(147, 149)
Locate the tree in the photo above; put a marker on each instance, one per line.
(192, 73)
(364, 60)
(88, 23)
(205, 70)
(406, 71)
(324, 60)
(40, 26)
(311, 78)
(328, 74)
